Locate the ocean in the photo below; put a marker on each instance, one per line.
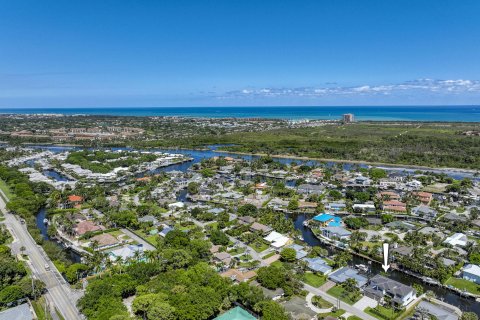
(362, 113)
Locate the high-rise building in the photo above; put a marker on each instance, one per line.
(348, 117)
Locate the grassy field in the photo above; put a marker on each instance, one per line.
(313, 279)
(39, 307)
(340, 293)
(463, 284)
(421, 144)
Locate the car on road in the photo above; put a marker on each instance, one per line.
(47, 266)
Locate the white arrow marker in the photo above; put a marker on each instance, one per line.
(385, 264)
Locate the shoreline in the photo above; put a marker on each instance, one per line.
(390, 165)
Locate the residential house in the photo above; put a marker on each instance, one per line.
(425, 212)
(104, 240)
(341, 275)
(335, 233)
(457, 239)
(388, 195)
(277, 240)
(336, 207)
(239, 276)
(471, 272)
(423, 197)
(438, 311)
(20, 312)
(236, 313)
(310, 189)
(261, 228)
(148, 219)
(246, 220)
(318, 265)
(380, 286)
(394, 206)
(126, 252)
(223, 257)
(87, 226)
(300, 252)
(368, 207)
(328, 220)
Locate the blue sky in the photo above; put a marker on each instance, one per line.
(233, 53)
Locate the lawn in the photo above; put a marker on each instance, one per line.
(313, 279)
(463, 284)
(277, 264)
(334, 314)
(236, 251)
(382, 313)
(39, 307)
(259, 246)
(319, 302)
(339, 292)
(354, 318)
(5, 189)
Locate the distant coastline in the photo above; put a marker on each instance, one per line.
(362, 113)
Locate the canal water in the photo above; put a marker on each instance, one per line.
(198, 155)
(41, 215)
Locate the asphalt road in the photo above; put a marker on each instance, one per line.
(59, 292)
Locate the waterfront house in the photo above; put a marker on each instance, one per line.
(441, 312)
(368, 207)
(318, 265)
(471, 272)
(380, 286)
(87, 226)
(341, 275)
(335, 233)
(336, 207)
(328, 220)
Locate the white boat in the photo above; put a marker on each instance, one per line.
(45, 221)
(361, 267)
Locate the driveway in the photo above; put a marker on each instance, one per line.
(364, 303)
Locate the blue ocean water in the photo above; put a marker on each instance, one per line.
(386, 113)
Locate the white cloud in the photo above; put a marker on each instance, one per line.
(417, 87)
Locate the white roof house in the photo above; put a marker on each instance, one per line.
(178, 205)
(277, 240)
(457, 239)
(125, 252)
